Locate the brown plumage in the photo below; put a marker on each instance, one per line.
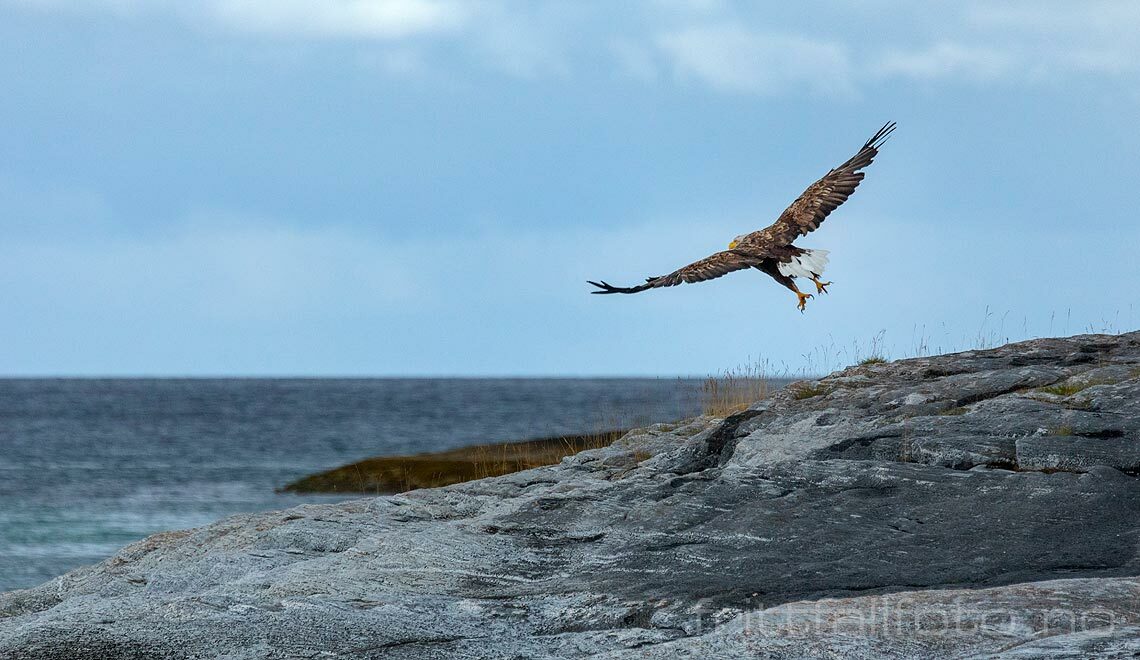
(770, 250)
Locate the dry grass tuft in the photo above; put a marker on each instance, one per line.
(874, 359)
(1065, 389)
(1068, 389)
(807, 391)
(734, 390)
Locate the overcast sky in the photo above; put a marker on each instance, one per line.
(422, 187)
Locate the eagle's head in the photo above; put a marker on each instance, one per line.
(736, 241)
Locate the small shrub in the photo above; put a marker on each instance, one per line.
(874, 359)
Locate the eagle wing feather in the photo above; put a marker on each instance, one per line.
(821, 198)
(711, 267)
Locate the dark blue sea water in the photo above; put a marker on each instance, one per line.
(87, 466)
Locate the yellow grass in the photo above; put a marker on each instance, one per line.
(734, 390)
(808, 391)
(397, 474)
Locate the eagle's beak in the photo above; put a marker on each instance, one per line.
(732, 245)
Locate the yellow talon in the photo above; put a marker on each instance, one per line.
(820, 287)
(803, 300)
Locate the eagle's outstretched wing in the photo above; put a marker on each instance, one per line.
(821, 198)
(710, 267)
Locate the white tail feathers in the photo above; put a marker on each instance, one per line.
(809, 264)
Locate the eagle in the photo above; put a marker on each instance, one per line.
(771, 250)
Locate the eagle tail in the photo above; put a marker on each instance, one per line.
(810, 264)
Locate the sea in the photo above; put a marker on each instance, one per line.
(90, 465)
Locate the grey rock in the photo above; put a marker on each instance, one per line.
(1081, 618)
(1077, 453)
(995, 484)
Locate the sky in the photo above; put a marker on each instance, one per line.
(423, 187)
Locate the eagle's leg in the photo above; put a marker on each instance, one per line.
(803, 299)
(820, 287)
(771, 267)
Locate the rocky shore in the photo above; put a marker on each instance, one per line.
(984, 503)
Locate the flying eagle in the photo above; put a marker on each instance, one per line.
(770, 250)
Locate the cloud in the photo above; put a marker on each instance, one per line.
(340, 18)
(634, 60)
(1008, 44)
(1093, 37)
(1094, 18)
(1011, 44)
(721, 47)
(522, 40)
(732, 58)
(384, 19)
(119, 7)
(518, 43)
(946, 60)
